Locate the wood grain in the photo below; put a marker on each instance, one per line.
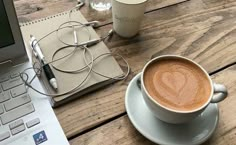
(203, 30)
(28, 10)
(122, 132)
(118, 132)
(195, 33)
(205, 34)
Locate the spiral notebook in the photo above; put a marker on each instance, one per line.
(106, 65)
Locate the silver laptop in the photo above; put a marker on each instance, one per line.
(26, 117)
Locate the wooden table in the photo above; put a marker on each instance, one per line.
(203, 30)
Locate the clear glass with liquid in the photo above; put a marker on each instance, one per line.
(100, 5)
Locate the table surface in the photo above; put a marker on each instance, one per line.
(203, 30)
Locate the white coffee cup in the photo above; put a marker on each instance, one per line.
(218, 93)
(127, 16)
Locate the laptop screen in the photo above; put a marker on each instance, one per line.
(6, 37)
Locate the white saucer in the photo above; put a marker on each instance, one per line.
(192, 133)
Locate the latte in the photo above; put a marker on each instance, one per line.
(177, 84)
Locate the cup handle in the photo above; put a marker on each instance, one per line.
(220, 93)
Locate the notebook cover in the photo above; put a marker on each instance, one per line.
(106, 65)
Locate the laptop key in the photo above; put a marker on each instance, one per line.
(12, 83)
(4, 96)
(4, 78)
(1, 109)
(16, 124)
(17, 113)
(18, 90)
(33, 122)
(17, 102)
(4, 135)
(18, 129)
(15, 74)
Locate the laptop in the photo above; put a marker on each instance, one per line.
(26, 117)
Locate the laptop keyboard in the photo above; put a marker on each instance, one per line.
(14, 104)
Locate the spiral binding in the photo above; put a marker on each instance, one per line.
(44, 19)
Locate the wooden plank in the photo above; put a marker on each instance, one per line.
(28, 10)
(157, 4)
(195, 34)
(92, 109)
(206, 35)
(122, 132)
(118, 132)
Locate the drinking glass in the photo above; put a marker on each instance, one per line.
(100, 5)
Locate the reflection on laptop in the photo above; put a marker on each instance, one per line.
(26, 118)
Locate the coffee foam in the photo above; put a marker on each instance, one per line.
(177, 84)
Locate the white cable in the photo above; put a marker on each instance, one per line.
(89, 62)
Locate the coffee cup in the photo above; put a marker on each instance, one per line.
(177, 89)
(127, 16)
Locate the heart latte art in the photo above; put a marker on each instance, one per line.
(177, 84)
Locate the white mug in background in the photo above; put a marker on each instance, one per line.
(127, 16)
(218, 93)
